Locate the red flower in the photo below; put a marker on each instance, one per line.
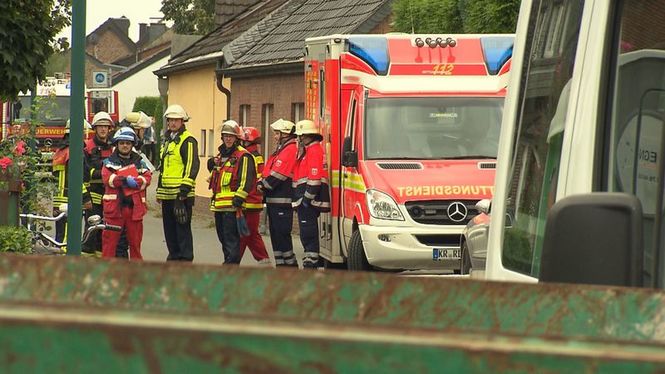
(5, 162)
(19, 150)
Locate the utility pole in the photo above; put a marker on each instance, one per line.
(75, 169)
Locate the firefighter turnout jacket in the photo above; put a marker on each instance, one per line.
(179, 165)
(255, 199)
(60, 166)
(233, 176)
(95, 152)
(277, 174)
(116, 195)
(311, 178)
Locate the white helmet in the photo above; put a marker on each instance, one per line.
(86, 126)
(306, 127)
(138, 120)
(283, 126)
(231, 127)
(176, 111)
(102, 116)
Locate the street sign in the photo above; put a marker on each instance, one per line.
(100, 79)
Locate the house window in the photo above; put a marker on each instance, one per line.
(297, 112)
(244, 115)
(211, 143)
(266, 120)
(202, 144)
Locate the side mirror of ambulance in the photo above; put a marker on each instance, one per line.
(594, 238)
(350, 157)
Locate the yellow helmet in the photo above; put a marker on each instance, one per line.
(283, 126)
(138, 120)
(306, 127)
(176, 111)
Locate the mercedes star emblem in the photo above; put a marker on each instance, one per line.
(457, 211)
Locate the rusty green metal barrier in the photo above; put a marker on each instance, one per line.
(76, 314)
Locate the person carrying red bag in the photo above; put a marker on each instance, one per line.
(125, 177)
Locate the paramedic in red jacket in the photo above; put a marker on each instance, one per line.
(124, 197)
(254, 202)
(311, 196)
(277, 188)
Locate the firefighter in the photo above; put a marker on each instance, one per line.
(179, 165)
(254, 203)
(125, 178)
(138, 121)
(95, 151)
(276, 185)
(311, 196)
(60, 165)
(233, 178)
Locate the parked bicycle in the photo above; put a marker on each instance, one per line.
(43, 243)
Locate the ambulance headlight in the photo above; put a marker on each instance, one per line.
(382, 206)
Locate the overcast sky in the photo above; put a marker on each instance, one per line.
(138, 11)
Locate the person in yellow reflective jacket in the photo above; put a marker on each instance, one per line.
(179, 165)
(60, 163)
(232, 180)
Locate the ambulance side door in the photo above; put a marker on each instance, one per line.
(349, 172)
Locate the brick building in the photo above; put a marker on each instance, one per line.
(266, 65)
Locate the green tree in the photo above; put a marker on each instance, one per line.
(455, 16)
(27, 33)
(190, 16)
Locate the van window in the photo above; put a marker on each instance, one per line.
(549, 61)
(637, 101)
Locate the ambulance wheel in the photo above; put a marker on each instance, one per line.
(357, 260)
(465, 261)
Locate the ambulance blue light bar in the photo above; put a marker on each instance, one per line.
(373, 50)
(497, 51)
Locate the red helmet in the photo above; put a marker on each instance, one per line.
(251, 134)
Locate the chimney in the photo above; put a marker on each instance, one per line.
(143, 33)
(226, 10)
(156, 30)
(123, 24)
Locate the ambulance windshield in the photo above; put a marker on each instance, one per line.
(432, 127)
(51, 110)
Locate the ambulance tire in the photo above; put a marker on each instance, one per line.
(357, 260)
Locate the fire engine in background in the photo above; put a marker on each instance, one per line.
(411, 126)
(53, 110)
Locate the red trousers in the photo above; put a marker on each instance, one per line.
(254, 241)
(134, 231)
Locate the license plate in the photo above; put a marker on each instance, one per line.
(439, 254)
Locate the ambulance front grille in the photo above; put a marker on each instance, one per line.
(400, 165)
(487, 165)
(442, 212)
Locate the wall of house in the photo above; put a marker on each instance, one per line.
(269, 98)
(108, 47)
(142, 83)
(197, 92)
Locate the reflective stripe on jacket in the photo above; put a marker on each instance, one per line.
(278, 174)
(255, 199)
(311, 178)
(234, 178)
(179, 167)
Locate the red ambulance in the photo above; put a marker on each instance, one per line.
(411, 127)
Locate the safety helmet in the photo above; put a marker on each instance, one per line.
(306, 127)
(283, 126)
(138, 120)
(176, 111)
(231, 127)
(124, 133)
(102, 116)
(251, 134)
(86, 126)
